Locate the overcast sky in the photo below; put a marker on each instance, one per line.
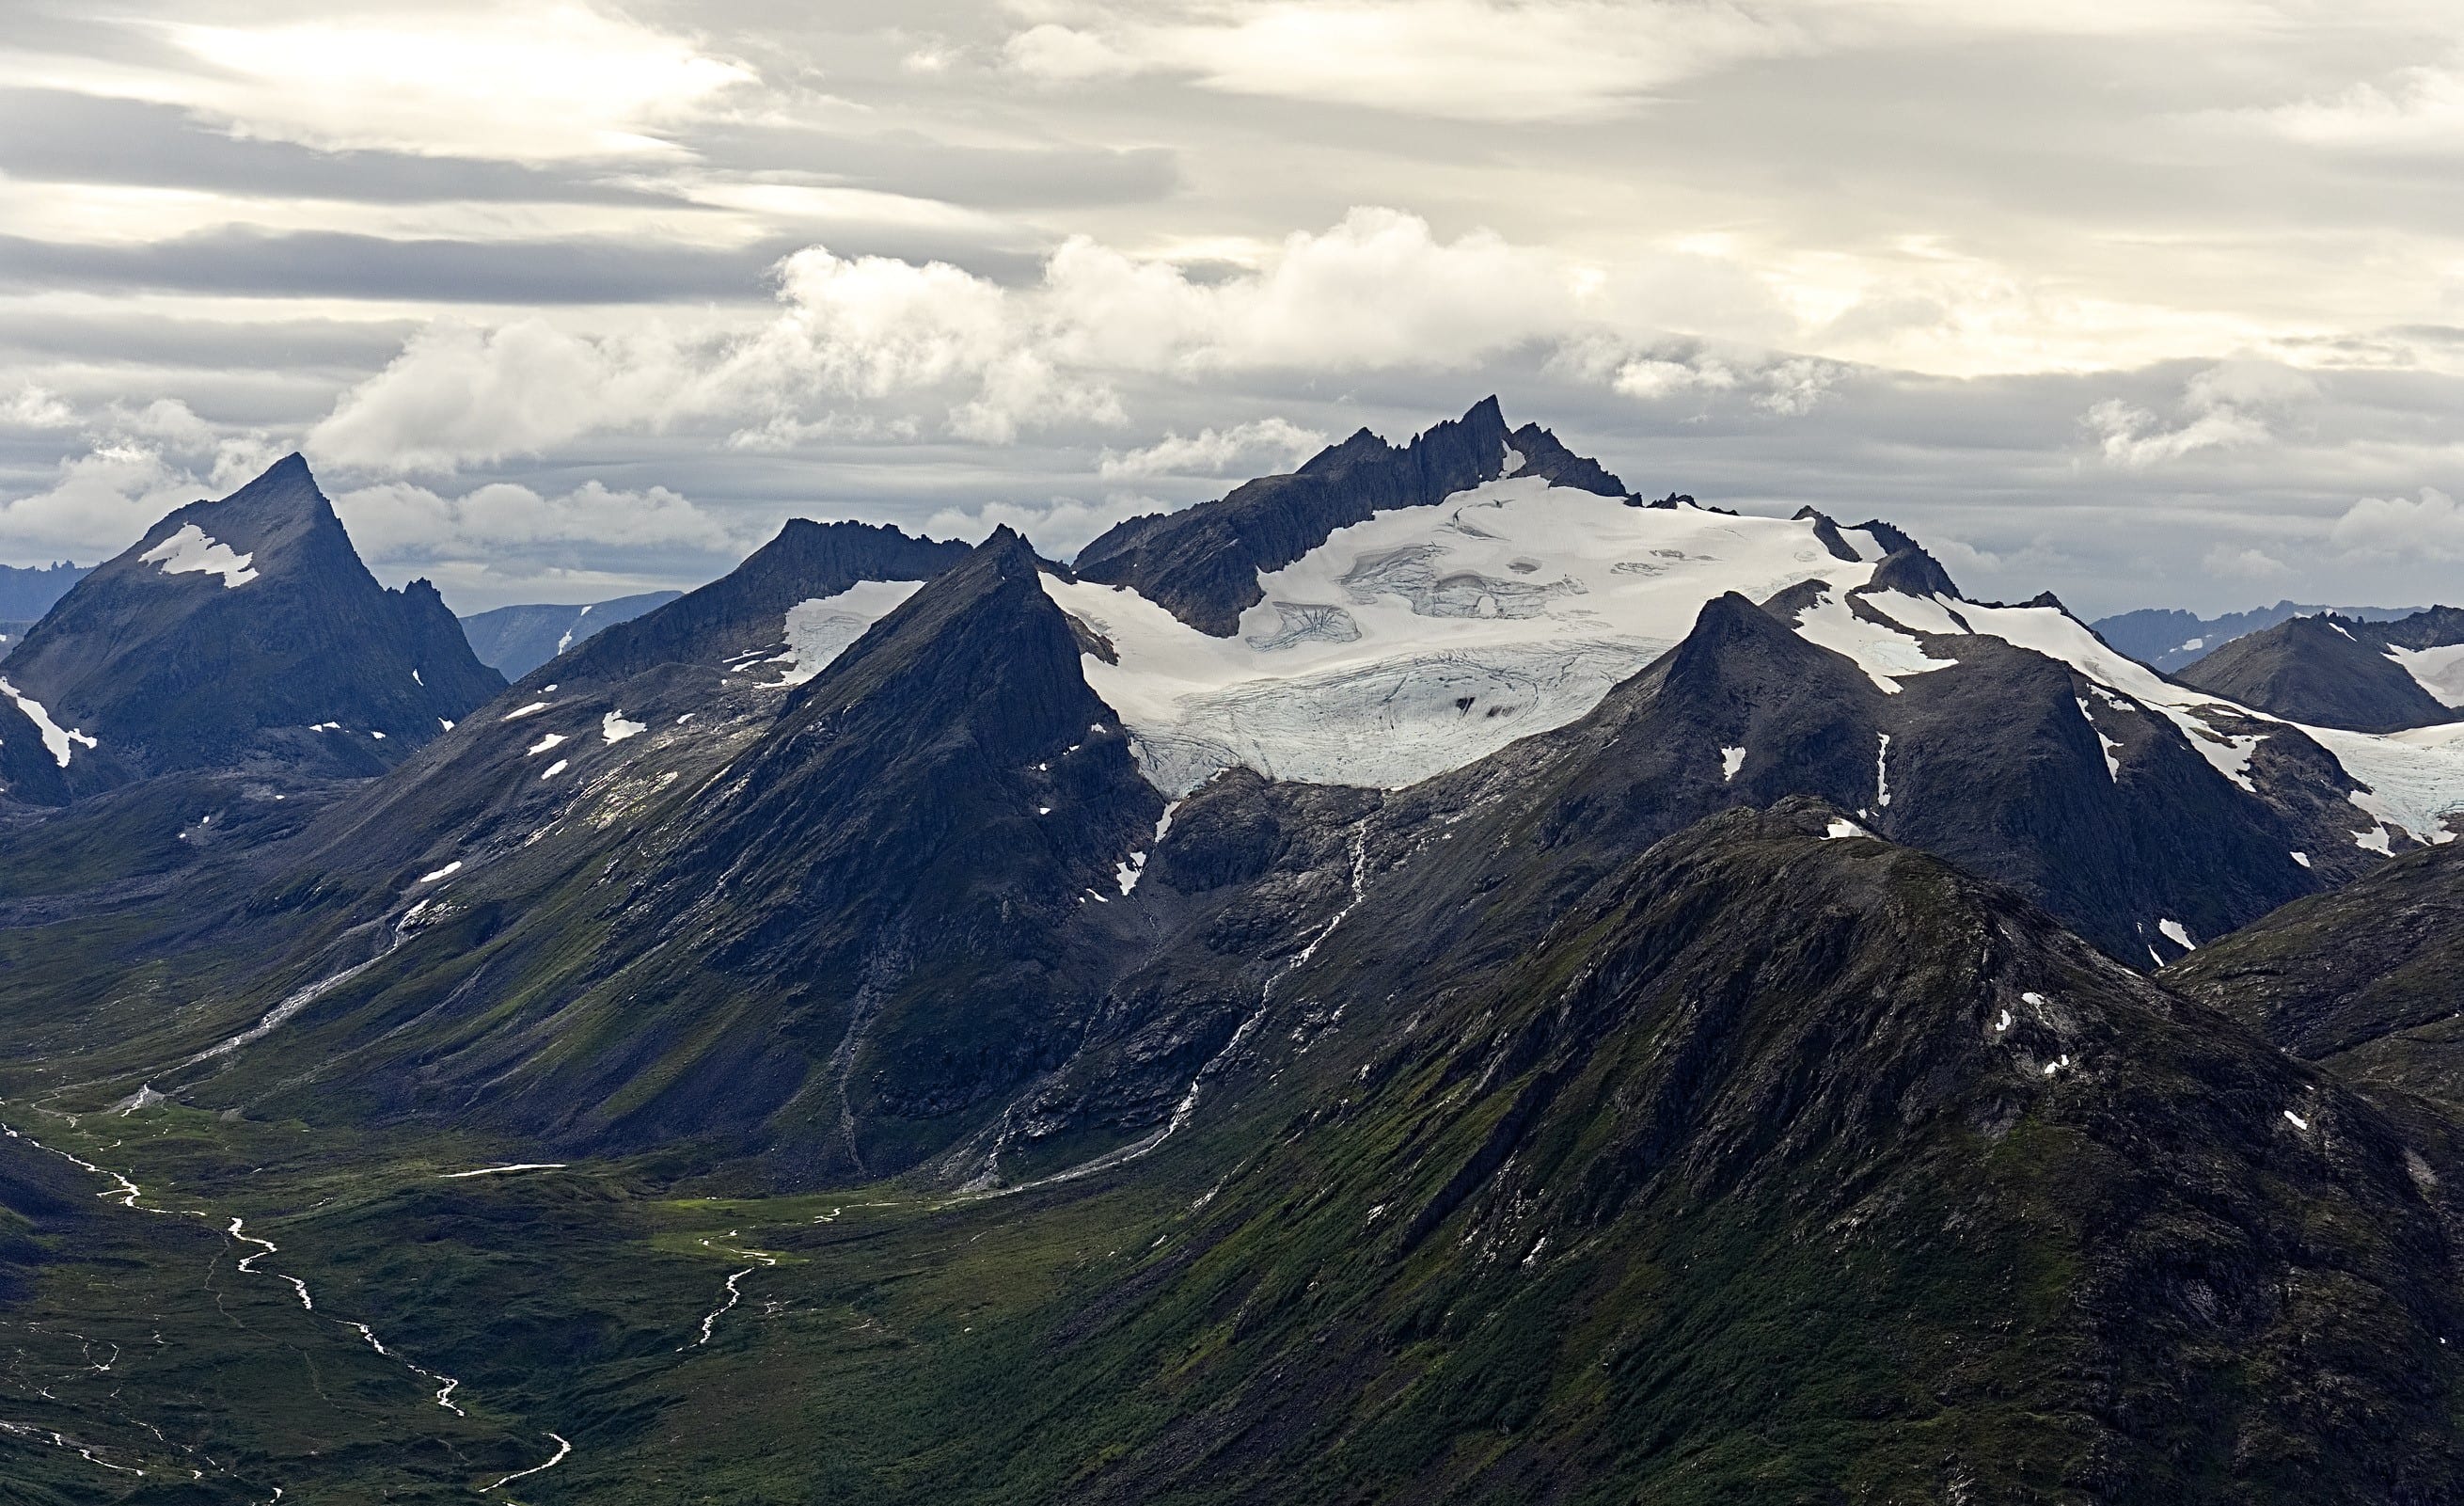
(2143, 301)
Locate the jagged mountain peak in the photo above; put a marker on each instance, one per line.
(245, 631)
(807, 567)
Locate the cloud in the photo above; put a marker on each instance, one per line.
(1267, 445)
(459, 393)
(2244, 564)
(2226, 406)
(2428, 527)
(1464, 59)
(36, 408)
(98, 502)
(395, 521)
(1377, 291)
(2417, 108)
(510, 81)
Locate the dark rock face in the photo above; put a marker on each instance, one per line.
(246, 633)
(2333, 671)
(1202, 565)
(833, 925)
(2362, 980)
(744, 609)
(1990, 763)
(516, 640)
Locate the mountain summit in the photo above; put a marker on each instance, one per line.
(244, 632)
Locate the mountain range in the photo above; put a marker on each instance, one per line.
(1428, 976)
(2170, 639)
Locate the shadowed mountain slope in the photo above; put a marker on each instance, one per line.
(2334, 672)
(242, 634)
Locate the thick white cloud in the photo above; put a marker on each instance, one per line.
(878, 341)
(459, 393)
(2227, 406)
(2417, 108)
(2430, 525)
(2245, 563)
(514, 79)
(1471, 60)
(395, 521)
(1265, 445)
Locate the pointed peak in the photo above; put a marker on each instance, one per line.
(1544, 456)
(1913, 571)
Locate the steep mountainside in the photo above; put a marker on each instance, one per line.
(2362, 979)
(516, 640)
(1780, 1168)
(806, 569)
(2334, 672)
(239, 633)
(2168, 640)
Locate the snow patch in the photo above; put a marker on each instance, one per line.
(2302, 859)
(58, 740)
(1129, 871)
(2439, 671)
(553, 769)
(2298, 1122)
(614, 728)
(1842, 826)
(524, 711)
(1732, 760)
(193, 552)
(2175, 932)
(1882, 774)
(1887, 654)
(544, 743)
(2112, 765)
(820, 630)
(447, 872)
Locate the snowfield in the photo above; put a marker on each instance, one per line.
(1426, 638)
(820, 630)
(1429, 637)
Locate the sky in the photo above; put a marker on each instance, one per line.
(2140, 302)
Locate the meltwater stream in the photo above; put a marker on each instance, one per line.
(128, 1194)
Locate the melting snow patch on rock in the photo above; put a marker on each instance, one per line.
(1842, 826)
(58, 740)
(614, 728)
(820, 630)
(553, 769)
(1732, 760)
(192, 551)
(524, 711)
(2178, 934)
(544, 745)
(2298, 1122)
(447, 872)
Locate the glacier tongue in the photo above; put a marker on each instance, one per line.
(1428, 637)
